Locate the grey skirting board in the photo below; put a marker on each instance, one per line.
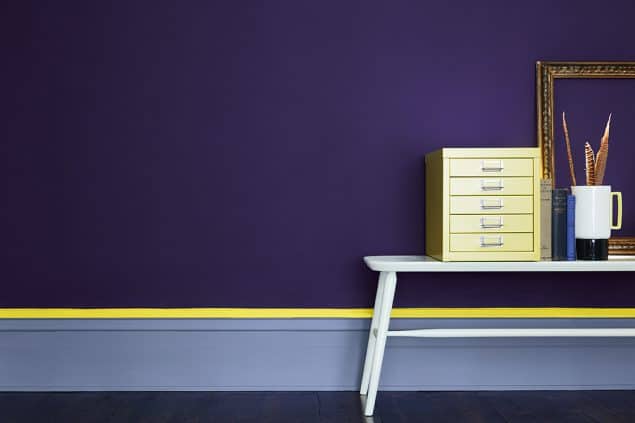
(300, 354)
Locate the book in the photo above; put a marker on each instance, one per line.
(559, 223)
(571, 227)
(545, 219)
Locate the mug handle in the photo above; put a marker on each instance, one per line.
(618, 225)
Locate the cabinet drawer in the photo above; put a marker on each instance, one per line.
(492, 223)
(492, 242)
(489, 186)
(491, 204)
(492, 167)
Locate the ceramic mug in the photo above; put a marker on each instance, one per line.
(593, 220)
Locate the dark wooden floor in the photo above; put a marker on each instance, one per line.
(337, 407)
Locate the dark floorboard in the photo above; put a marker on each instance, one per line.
(318, 407)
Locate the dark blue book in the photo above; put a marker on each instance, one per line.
(571, 227)
(559, 224)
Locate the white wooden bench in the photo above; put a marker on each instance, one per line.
(388, 266)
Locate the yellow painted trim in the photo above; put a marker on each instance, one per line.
(309, 313)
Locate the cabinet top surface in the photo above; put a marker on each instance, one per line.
(488, 152)
(428, 264)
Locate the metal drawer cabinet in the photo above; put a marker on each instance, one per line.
(483, 204)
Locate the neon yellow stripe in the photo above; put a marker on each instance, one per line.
(298, 313)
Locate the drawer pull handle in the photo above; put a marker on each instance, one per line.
(485, 186)
(496, 243)
(491, 204)
(492, 166)
(491, 225)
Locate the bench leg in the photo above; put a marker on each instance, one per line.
(370, 349)
(380, 343)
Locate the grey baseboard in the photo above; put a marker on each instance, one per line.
(300, 354)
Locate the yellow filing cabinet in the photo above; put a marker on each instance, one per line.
(483, 204)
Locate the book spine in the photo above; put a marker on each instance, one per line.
(559, 224)
(571, 227)
(545, 219)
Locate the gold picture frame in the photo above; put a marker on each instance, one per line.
(546, 74)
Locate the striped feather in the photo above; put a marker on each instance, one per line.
(589, 159)
(603, 152)
(569, 155)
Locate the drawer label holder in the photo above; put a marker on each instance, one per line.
(491, 241)
(490, 223)
(492, 204)
(492, 166)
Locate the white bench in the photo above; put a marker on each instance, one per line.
(388, 266)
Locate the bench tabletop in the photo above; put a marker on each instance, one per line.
(428, 264)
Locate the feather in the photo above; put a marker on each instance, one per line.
(603, 152)
(590, 164)
(569, 155)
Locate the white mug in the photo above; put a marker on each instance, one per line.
(594, 211)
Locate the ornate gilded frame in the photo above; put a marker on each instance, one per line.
(546, 74)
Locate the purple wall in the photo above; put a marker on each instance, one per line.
(250, 153)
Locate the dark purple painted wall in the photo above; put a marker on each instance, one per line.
(250, 153)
